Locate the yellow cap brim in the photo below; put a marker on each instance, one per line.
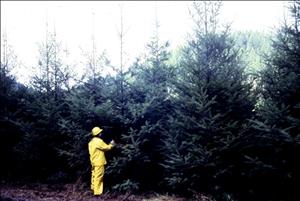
(97, 132)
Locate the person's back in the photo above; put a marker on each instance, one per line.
(96, 149)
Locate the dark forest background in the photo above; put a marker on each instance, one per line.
(219, 115)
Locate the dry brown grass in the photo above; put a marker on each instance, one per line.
(75, 193)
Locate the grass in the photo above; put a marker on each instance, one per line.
(71, 192)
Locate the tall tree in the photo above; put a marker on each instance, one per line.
(13, 100)
(8, 62)
(212, 102)
(148, 105)
(122, 72)
(279, 112)
(50, 84)
(90, 104)
(280, 78)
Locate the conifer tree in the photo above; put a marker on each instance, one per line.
(50, 84)
(8, 63)
(89, 104)
(147, 108)
(264, 157)
(274, 151)
(13, 99)
(212, 102)
(280, 78)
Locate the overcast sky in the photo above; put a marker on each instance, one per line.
(24, 23)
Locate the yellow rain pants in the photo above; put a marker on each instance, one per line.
(97, 179)
(97, 147)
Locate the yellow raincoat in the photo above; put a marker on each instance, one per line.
(97, 147)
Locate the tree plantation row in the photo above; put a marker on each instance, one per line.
(214, 117)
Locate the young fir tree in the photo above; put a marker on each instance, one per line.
(273, 153)
(50, 84)
(89, 104)
(136, 167)
(212, 102)
(266, 153)
(121, 85)
(280, 79)
(8, 63)
(14, 97)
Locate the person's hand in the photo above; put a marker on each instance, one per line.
(112, 143)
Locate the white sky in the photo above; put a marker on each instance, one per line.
(24, 23)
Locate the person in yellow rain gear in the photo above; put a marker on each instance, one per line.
(97, 147)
